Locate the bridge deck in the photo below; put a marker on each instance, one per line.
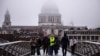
(59, 53)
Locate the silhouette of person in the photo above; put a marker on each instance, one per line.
(64, 44)
(73, 43)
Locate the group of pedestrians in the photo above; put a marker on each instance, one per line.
(52, 44)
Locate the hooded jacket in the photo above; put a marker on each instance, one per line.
(65, 41)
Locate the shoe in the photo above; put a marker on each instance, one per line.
(38, 55)
(56, 55)
(32, 55)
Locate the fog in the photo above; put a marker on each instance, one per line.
(25, 12)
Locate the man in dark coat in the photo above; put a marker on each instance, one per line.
(45, 44)
(57, 45)
(38, 45)
(65, 44)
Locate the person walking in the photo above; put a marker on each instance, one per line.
(38, 45)
(51, 44)
(57, 45)
(33, 45)
(73, 43)
(45, 44)
(64, 44)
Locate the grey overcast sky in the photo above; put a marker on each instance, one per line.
(25, 12)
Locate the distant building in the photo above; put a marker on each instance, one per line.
(84, 35)
(49, 22)
(98, 28)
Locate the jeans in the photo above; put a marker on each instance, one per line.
(35, 49)
(64, 50)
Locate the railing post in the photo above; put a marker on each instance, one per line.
(81, 38)
(90, 38)
(99, 38)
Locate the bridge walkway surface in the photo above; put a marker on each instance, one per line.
(11, 48)
(22, 48)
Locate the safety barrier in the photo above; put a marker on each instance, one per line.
(22, 48)
(16, 48)
(88, 48)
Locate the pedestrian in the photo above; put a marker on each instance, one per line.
(51, 44)
(64, 44)
(33, 45)
(38, 45)
(73, 43)
(45, 44)
(57, 45)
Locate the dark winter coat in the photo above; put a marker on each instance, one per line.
(65, 41)
(57, 43)
(33, 42)
(38, 44)
(45, 42)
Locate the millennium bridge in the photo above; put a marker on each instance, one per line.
(22, 48)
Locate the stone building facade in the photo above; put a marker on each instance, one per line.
(50, 22)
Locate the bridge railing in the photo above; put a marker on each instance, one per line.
(88, 48)
(19, 48)
(16, 48)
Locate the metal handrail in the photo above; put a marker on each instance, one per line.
(16, 48)
(9, 43)
(97, 43)
(88, 48)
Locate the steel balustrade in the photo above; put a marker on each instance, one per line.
(87, 48)
(22, 48)
(16, 48)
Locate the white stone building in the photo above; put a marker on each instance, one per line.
(49, 21)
